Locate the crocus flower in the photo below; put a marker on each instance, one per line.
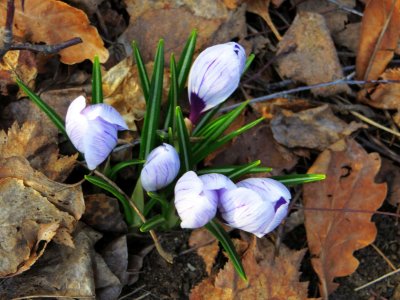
(161, 167)
(258, 205)
(214, 76)
(196, 197)
(93, 129)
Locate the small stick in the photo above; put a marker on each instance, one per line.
(373, 123)
(383, 256)
(377, 280)
(346, 8)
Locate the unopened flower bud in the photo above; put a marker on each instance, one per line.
(196, 197)
(214, 76)
(93, 129)
(161, 167)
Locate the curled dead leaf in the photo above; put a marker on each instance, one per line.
(333, 236)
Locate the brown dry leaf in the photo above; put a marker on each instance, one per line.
(390, 173)
(269, 277)
(384, 96)
(146, 16)
(349, 37)
(65, 272)
(41, 150)
(20, 62)
(376, 50)
(103, 213)
(261, 8)
(27, 219)
(315, 128)
(36, 24)
(309, 54)
(207, 246)
(334, 236)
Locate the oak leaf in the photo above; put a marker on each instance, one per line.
(380, 31)
(269, 277)
(333, 236)
(206, 245)
(36, 23)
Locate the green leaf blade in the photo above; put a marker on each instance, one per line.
(97, 88)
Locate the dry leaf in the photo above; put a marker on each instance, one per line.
(349, 184)
(269, 277)
(36, 24)
(40, 149)
(349, 37)
(207, 246)
(376, 50)
(384, 96)
(21, 63)
(308, 54)
(261, 8)
(390, 173)
(27, 220)
(315, 128)
(146, 16)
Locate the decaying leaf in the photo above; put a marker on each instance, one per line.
(380, 32)
(308, 54)
(30, 141)
(261, 7)
(64, 271)
(207, 246)
(36, 21)
(390, 173)
(315, 128)
(146, 16)
(27, 220)
(384, 96)
(333, 236)
(21, 63)
(269, 277)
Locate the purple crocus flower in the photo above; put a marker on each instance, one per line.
(161, 167)
(196, 197)
(214, 76)
(258, 205)
(93, 129)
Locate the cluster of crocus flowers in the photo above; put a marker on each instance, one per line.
(214, 76)
(256, 205)
(93, 129)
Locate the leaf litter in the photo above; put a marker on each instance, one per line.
(294, 41)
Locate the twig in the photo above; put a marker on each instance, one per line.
(377, 280)
(307, 88)
(373, 123)
(346, 210)
(167, 256)
(379, 251)
(346, 8)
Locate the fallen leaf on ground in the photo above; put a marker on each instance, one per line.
(383, 96)
(333, 236)
(64, 271)
(349, 37)
(378, 39)
(269, 277)
(41, 150)
(390, 173)
(315, 128)
(307, 54)
(207, 246)
(19, 63)
(261, 8)
(35, 23)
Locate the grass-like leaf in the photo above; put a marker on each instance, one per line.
(185, 61)
(295, 179)
(185, 151)
(228, 170)
(54, 117)
(119, 166)
(249, 61)
(205, 119)
(137, 198)
(144, 78)
(152, 223)
(152, 115)
(97, 88)
(222, 236)
(172, 97)
(128, 211)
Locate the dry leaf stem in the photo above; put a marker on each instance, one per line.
(377, 280)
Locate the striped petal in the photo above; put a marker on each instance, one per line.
(76, 123)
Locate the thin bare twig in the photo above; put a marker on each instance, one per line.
(377, 280)
(379, 251)
(346, 8)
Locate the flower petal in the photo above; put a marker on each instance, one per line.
(195, 206)
(100, 140)
(215, 181)
(76, 123)
(107, 113)
(244, 209)
(269, 189)
(161, 168)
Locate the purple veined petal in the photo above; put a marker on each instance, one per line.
(214, 76)
(269, 189)
(281, 210)
(99, 141)
(107, 113)
(195, 206)
(244, 209)
(76, 123)
(215, 181)
(161, 168)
